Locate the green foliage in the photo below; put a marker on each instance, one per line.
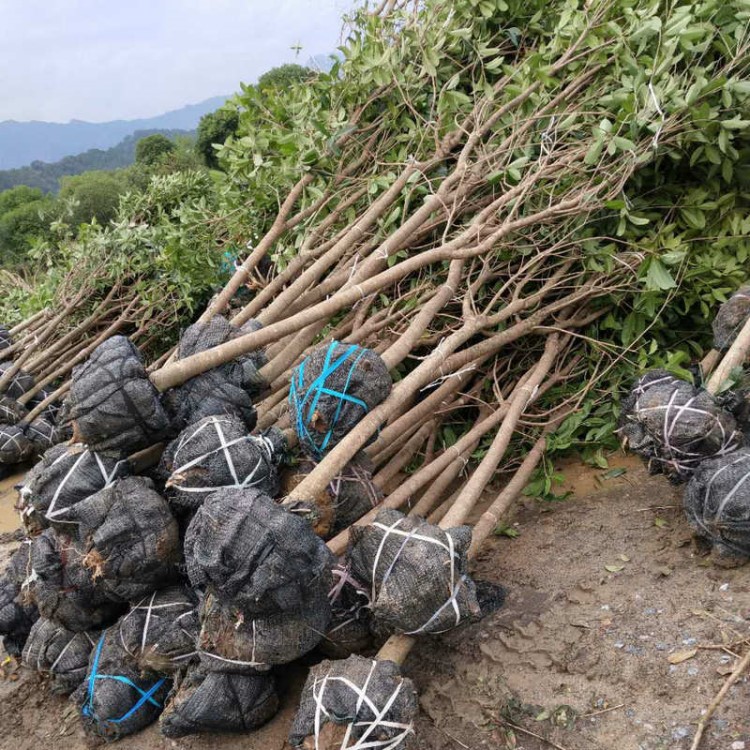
(92, 196)
(283, 76)
(214, 129)
(152, 149)
(24, 216)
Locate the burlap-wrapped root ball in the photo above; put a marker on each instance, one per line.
(43, 435)
(224, 390)
(21, 381)
(346, 498)
(64, 588)
(417, 574)
(349, 631)
(17, 612)
(130, 538)
(251, 552)
(117, 698)
(717, 505)
(730, 318)
(219, 702)
(161, 631)
(11, 412)
(216, 453)
(66, 475)
(357, 702)
(233, 640)
(113, 404)
(331, 390)
(15, 446)
(6, 340)
(674, 426)
(59, 653)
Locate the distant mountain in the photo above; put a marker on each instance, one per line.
(46, 176)
(24, 142)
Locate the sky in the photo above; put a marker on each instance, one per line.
(102, 60)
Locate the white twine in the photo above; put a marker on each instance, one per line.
(454, 585)
(378, 721)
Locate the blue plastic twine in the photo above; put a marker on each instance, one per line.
(306, 401)
(146, 695)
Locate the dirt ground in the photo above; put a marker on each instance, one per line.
(603, 588)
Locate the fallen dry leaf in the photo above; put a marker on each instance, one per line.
(679, 656)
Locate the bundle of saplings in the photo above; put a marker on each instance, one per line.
(216, 453)
(674, 426)
(17, 613)
(20, 382)
(730, 318)
(267, 577)
(717, 505)
(64, 588)
(60, 653)
(227, 389)
(130, 538)
(113, 405)
(15, 446)
(203, 701)
(331, 390)
(66, 475)
(417, 573)
(350, 494)
(369, 699)
(160, 632)
(117, 697)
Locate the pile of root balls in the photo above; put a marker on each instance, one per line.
(699, 434)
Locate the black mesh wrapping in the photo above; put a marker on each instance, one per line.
(130, 537)
(368, 698)
(730, 318)
(347, 498)
(113, 404)
(15, 446)
(43, 435)
(219, 702)
(6, 340)
(217, 453)
(160, 632)
(233, 640)
(253, 553)
(117, 698)
(63, 586)
(717, 503)
(59, 653)
(20, 383)
(17, 612)
(674, 426)
(417, 573)
(66, 475)
(349, 631)
(224, 390)
(331, 390)
(11, 412)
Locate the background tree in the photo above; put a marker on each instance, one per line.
(153, 148)
(215, 128)
(93, 195)
(24, 217)
(283, 76)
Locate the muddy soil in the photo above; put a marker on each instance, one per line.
(603, 588)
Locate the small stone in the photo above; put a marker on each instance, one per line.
(739, 745)
(724, 587)
(680, 733)
(692, 671)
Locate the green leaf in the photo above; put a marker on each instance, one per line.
(658, 277)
